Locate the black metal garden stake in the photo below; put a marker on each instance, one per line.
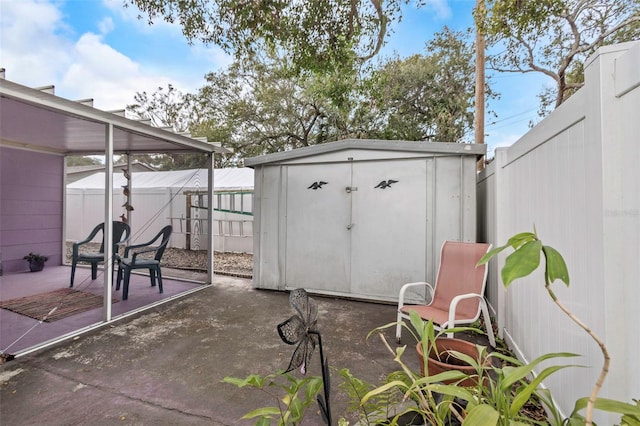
(301, 329)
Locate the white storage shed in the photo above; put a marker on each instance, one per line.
(359, 218)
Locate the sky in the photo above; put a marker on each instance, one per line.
(99, 49)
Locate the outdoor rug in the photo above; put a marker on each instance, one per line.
(67, 300)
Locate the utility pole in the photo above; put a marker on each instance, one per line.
(480, 79)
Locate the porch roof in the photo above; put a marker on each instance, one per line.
(37, 119)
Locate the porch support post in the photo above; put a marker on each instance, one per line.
(211, 247)
(108, 220)
(129, 213)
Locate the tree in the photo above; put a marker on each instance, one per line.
(77, 160)
(554, 37)
(263, 107)
(428, 97)
(173, 110)
(320, 35)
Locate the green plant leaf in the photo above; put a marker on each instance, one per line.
(514, 242)
(264, 421)
(482, 415)
(313, 387)
(524, 394)
(296, 408)
(609, 405)
(521, 262)
(513, 375)
(381, 389)
(253, 380)
(262, 412)
(441, 377)
(452, 390)
(490, 254)
(556, 268)
(519, 239)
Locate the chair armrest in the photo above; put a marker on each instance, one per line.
(91, 236)
(76, 246)
(454, 305)
(404, 288)
(136, 253)
(127, 249)
(147, 244)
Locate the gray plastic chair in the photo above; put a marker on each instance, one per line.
(121, 233)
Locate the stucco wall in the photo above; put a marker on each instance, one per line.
(31, 189)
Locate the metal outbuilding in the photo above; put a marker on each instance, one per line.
(359, 218)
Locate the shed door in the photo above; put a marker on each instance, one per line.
(317, 239)
(389, 234)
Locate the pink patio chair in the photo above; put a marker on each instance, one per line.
(458, 296)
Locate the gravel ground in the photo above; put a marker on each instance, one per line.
(239, 264)
(235, 264)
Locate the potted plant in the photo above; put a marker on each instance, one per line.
(447, 354)
(36, 261)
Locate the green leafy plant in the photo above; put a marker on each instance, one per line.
(374, 409)
(36, 258)
(434, 402)
(289, 409)
(527, 250)
(501, 391)
(503, 396)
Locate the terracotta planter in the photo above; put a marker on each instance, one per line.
(448, 362)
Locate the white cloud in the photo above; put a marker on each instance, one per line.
(440, 7)
(34, 51)
(133, 15)
(106, 25)
(39, 48)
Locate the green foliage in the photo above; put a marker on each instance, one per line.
(77, 160)
(526, 258)
(34, 257)
(318, 35)
(299, 394)
(630, 412)
(375, 408)
(555, 37)
(522, 262)
(435, 403)
(511, 386)
(427, 97)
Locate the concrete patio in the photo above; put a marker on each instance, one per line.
(165, 366)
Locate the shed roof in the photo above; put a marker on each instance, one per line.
(35, 119)
(370, 144)
(230, 179)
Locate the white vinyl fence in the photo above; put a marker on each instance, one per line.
(575, 177)
(176, 198)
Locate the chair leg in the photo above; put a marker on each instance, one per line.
(159, 280)
(152, 274)
(125, 287)
(73, 273)
(399, 327)
(119, 279)
(94, 270)
(487, 324)
(113, 271)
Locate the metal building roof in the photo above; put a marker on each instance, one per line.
(39, 120)
(435, 148)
